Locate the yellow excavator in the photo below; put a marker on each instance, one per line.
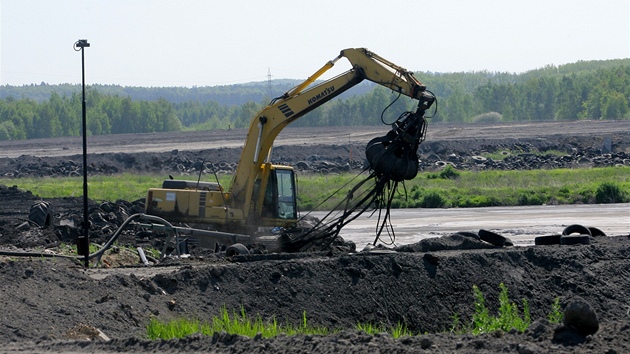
(263, 195)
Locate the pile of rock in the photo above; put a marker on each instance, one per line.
(224, 161)
(525, 161)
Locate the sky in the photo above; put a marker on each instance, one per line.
(185, 43)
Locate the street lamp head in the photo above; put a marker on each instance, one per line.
(81, 43)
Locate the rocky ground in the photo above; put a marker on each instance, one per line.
(327, 150)
(55, 305)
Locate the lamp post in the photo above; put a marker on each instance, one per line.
(83, 242)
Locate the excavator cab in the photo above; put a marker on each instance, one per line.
(279, 199)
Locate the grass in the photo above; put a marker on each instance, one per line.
(508, 317)
(400, 330)
(236, 323)
(445, 189)
(241, 324)
(71, 249)
(126, 186)
(451, 188)
(508, 188)
(501, 155)
(556, 315)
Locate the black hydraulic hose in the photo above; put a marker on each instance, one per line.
(386, 219)
(36, 254)
(326, 230)
(435, 104)
(337, 191)
(389, 105)
(96, 254)
(323, 224)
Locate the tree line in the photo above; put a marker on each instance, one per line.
(589, 94)
(583, 90)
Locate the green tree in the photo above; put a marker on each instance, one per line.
(6, 130)
(615, 106)
(569, 98)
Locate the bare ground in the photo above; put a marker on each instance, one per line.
(55, 305)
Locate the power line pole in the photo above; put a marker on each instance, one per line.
(269, 83)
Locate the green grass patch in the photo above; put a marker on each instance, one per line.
(240, 323)
(510, 188)
(610, 192)
(448, 172)
(446, 189)
(556, 315)
(126, 186)
(235, 323)
(501, 155)
(400, 330)
(506, 317)
(71, 249)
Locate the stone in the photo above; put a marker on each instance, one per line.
(580, 316)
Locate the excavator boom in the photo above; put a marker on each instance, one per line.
(295, 103)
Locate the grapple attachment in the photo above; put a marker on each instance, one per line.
(394, 156)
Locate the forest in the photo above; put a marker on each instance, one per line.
(576, 91)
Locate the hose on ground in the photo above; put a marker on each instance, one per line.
(96, 254)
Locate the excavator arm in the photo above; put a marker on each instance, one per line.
(295, 103)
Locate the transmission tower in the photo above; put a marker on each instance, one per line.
(269, 83)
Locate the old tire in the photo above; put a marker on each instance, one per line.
(492, 238)
(237, 249)
(547, 240)
(595, 232)
(41, 214)
(575, 228)
(575, 240)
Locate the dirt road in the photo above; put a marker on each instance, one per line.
(199, 140)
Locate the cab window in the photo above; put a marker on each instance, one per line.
(286, 194)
